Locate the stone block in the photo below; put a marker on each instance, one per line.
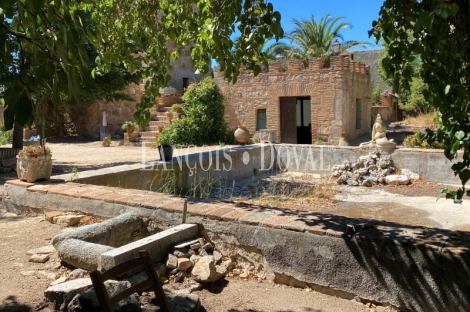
(58, 296)
(67, 220)
(39, 258)
(172, 261)
(184, 264)
(82, 254)
(41, 250)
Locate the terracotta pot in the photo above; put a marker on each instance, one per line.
(160, 129)
(31, 169)
(242, 135)
(170, 117)
(106, 144)
(130, 130)
(178, 110)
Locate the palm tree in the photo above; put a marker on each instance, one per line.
(314, 39)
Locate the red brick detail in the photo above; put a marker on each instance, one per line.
(277, 221)
(217, 214)
(202, 210)
(173, 205)
(39, 188)
(235, 215)
(19, 183)
(95, 194)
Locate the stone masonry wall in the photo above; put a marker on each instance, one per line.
(333, 92)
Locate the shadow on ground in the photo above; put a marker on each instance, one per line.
(12, 305)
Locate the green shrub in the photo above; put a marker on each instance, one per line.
(416, 141)
(6, 137)
(202, 121)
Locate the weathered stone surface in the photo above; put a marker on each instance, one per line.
(224, 267)
(182, 253)
(184, 264)
(87, 300)
(49, 215)
(160, 269)
(81, 254)
(172, 261)
(397, 179)
(39, 258)
(195, 246)
(58, 281)
(67, 220)
(79, 273)
(410, 174)
(205, 271)
(41, 250)
(217, 256)
(59, 296)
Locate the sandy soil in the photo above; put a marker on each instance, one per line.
(22, 283)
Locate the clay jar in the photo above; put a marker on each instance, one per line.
(242, 135)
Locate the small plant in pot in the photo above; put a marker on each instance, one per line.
(165, 148)
(169, 115)
(129, 126)
(107, 141)
(33, 163)
(177, 108)
(160, 128)
(343, 134)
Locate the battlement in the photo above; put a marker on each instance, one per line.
(340, 63)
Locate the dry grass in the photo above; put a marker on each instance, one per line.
(295, 193)
(421, 121)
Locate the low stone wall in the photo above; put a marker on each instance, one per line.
(431, 165)
(414, 268)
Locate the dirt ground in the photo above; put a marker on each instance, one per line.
(22, 283)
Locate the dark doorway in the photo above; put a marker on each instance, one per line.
(303, 120)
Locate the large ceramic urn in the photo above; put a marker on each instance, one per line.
(242, 135)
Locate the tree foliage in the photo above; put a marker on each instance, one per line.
(440, 37)
(312, 38)
(51, 36)
(202, 120)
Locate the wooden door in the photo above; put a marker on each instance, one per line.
(288, 122)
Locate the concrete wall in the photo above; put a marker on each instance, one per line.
(333, 92)
(431, 165)
(414, 268)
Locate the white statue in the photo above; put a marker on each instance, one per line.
(379, 138)
(104, 120)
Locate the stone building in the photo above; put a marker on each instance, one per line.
(303, 104)
(182, 73)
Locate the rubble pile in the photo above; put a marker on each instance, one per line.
(197, 261)
(372, 169)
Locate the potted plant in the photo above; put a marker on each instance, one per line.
(107, 141)
(34, 162)
(160, 128)
(165, 148)
(129, 126)
(169, 115)
(177, 108)
(343, 134)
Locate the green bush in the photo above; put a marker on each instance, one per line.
(202, 121)
(6, 137)
(416, 141)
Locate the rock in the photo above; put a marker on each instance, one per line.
(173, 272)
(194, 286)
(410, 174)
(59, 296)
(87, 300)
(67, 220)
(224, 267)
(39, 258)
(370, 178)
(194, 259)
(182, 253)
(172, 261)
(81, 254)
(41, 250)
(396, 179)
(51, 214)
(351, 182)
(47, 274)
(217, 256)
(201, 241)
(357, 165)
(179, 277)
(60, 280)
(207, 247)
(203, 253)
(78, 273)
(195, 246)
(336, 173)
(184, 264)
(367, 183)
(205, 271)
(336, 168)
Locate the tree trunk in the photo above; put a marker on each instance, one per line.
(17, 135)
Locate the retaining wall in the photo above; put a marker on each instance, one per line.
(414, 268)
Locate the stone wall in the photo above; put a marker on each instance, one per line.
(333, 92)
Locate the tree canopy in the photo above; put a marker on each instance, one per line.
(48, 39)
(440, 38)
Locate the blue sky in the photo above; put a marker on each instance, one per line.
(360, 13)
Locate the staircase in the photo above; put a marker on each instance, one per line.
(150, 133)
